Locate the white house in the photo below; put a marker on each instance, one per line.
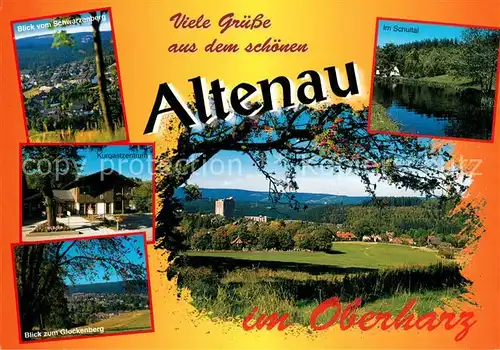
(394, 72)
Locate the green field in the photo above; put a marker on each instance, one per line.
(448, 79)
(228, 284)
(345, 254)
(127, 321)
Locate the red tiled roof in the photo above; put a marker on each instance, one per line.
(345, 235)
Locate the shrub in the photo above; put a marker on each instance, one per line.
(446, 252)
(201, 240)
(46, 228)
(285, 241)
(268, 239)
(220, 240)
(303, 241)
(230, 294)
(321, 239)
(202, 282)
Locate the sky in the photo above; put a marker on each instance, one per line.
(20, 33)
(97, 160)
(135, 242)
(234, 170)
(425, 31)
(229, 169)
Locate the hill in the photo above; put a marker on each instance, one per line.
(213, 194)
(110, 287)
(36, 52)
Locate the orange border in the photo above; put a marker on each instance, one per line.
(12, 22)
(21, 341)
(453, 138)
(50, 144)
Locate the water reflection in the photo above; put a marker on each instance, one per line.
(437, 111)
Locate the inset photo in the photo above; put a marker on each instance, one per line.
(84, 287)
(86, 191)
(69, 77)
(434, 80)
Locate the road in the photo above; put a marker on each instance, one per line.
(86, 228)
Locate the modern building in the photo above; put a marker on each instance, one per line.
(104, 192)
(259, 218)
(225, 207)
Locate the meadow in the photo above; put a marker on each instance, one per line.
(132, 321)
(93, 135)
(343, 255)
(228, 284)
(127, 321)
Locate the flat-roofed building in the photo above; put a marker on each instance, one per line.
(225, 207)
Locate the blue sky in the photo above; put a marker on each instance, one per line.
(135, 242)
(41, 30)
(230, 169)
(130, 166)
(425, 31)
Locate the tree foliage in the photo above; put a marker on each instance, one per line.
(49, 168)
(479, 56)
(143, 197)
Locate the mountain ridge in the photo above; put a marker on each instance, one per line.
(263, 196)
(119, 287)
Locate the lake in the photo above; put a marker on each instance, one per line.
(437, 111)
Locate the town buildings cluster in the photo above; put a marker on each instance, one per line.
(61, 92)
(226, 208)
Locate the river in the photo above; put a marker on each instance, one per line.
(437, 111)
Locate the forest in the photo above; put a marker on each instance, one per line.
(143, 196)
(474, 56)
(315, 210)
(335, 213)
(35, 53)
(208, 231)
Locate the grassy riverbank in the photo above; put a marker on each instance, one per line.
(440, 81)
(449, 80)
(381, 120)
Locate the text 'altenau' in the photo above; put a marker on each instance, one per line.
(312, 90)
